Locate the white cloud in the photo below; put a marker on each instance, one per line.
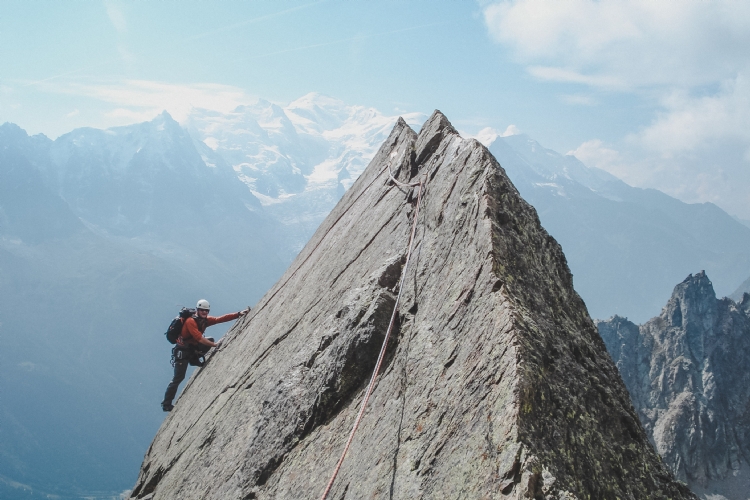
(686, 59)
(132, 116)
(594, 153)
(697, 153)
(140, 100)
(689, 122)
(698, 147)
(578, 100)
(488, 134)
(625, 42)
(73, 113)
(571, 76)
(510, 130)
(116, 16)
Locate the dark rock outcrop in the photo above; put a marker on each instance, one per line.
(688, 373)
(496, 385)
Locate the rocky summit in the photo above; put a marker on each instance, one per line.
(688, 372)
(496, 383)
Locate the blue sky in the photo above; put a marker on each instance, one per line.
(655, 92)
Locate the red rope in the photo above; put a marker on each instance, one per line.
(385, 342)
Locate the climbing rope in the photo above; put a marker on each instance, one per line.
(375, 372)
(262, 306)
(398, 182)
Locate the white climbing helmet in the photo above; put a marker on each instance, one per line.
(203, 304)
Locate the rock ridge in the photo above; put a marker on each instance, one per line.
(496, 385)
(687, 373)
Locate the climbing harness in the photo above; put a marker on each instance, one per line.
(375, 372)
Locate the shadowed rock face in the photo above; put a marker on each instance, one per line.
(496, 385)
(687, 372)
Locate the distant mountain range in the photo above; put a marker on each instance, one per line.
(297, 160)
(105, 233)
(626, 246)
(743, 288)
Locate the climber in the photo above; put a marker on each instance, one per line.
(192, 346)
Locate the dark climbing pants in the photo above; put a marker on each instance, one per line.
(182, 358)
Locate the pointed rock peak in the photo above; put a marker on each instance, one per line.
(165, 124)
(494, 381)
(695, 295)
(697, 285)
(436, 123)
(434, 130)
(164, 120)
(698, 278)
(617, 319)
(399, 129)
(9, 129)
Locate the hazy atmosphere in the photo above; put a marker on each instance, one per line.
(155, 153)
(656, 93)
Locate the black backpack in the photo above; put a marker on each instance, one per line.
(175, 327)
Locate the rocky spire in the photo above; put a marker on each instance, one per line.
(688, 373)
(496, 383)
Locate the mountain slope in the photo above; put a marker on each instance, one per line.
(626, 246)
(741, 290)
(496, 380)
(29, 211)
(153, 188)
(687, 373)
(103, 235)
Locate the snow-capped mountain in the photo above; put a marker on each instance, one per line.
(103, 233)
(299, 159)
(142, 178)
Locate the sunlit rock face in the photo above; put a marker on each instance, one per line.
(496, 383)
(688, 372)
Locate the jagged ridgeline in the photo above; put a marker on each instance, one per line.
(496, 384)
(688, 373)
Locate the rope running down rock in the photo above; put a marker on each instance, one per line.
(388, 333)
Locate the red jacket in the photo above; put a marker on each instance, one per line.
(192, 330)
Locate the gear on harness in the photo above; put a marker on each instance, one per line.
(193, 355)
(192, 347)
